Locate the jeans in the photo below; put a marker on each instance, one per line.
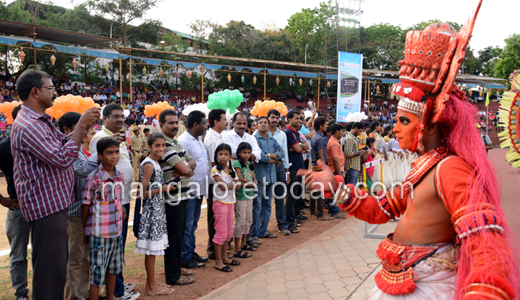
(333, 209)
(262, 209)
(49, 255)
(210, 249)
(17, 231)
(295, 196)
(175, 223)
(193, 208)
(120, 281)
(352, 176)
(279, 198)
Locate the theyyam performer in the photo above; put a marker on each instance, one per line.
(451, 241)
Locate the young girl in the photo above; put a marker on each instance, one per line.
(223, 206)
(244, 169)
(152, 237)
(368, 157)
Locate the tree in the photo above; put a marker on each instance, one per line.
(509, 58)
(487, 59)
(382, 46)
(123, 11)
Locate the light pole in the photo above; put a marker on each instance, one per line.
(306, 48)
(111, 24)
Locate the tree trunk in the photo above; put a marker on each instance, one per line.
(124, 34)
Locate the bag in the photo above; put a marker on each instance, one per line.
(137, 210)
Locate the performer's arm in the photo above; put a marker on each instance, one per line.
(486, 258)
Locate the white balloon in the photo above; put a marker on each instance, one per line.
(126, 112)
(356, 117)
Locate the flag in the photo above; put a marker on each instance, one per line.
(487, 97)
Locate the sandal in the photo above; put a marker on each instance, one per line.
(233, 263)
(242, 254)
(325, 218)
(257, 241)
(183, 280)
(163, 291)
(225, 269)
(342, 217)
(186, 272)
(269, 236)
(248, 247)
(294, 230)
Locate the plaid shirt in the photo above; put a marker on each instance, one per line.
(351, 147)
(103, 195)
(43, 159)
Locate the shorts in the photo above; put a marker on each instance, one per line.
(106, 256)
(243, 217)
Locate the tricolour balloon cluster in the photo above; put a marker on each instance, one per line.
(68, 103)
(261, 108)
(156, 109)
(225, 100)
(7, 109)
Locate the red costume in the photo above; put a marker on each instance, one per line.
(451, 227)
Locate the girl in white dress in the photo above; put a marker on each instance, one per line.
(152, 237)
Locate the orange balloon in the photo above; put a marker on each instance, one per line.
(74, 105)
(9, 120)
(284, 111)
(50, 111)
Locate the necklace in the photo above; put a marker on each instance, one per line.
(422, 165)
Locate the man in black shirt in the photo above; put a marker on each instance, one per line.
(16, 228)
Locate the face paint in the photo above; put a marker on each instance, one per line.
(406, 129)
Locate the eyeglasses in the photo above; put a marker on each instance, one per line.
(48, 87)
(115, 117)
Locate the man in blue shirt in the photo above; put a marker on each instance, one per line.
(295, 145)
(265, 172)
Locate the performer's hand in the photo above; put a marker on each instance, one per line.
(314, 178)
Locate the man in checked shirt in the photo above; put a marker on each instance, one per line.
(44, 179)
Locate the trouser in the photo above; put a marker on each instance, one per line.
(175, 225)
(280, 191)
(352, 176)
(210, 249)
(316, 203)
(262, 209)
(193, 208)
(77, 281)
(136, 162)
(49, 255)
(295, 198)
(17, 231)
(120, 280)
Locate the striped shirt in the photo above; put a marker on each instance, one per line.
(43, 159)
(350, 147)
(175, 154)
(103, 195)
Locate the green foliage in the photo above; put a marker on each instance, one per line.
(382, 46)
(509, 58)
(122, 11)
(487, 60)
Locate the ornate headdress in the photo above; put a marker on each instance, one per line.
(432, 61)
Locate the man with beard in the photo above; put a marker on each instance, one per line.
(296, 147)
(114, 118)
(282, 171)
(177, 165)
(44, 179)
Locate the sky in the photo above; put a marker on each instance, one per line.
(495, 22)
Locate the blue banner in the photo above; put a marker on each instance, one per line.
(350, 72)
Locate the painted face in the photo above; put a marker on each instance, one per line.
(406, 129)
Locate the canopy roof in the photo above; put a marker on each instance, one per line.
(51, 34)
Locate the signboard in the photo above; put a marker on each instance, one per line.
(350, 70)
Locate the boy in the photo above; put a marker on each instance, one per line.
(103, 218)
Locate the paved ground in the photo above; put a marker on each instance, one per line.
(341, 262)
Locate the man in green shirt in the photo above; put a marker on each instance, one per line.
(175, 163)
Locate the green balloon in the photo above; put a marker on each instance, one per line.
(223, 104)
(211, 104)
(232, 110)
(225, 98)
(216, 98)
(233, 99)
(240, 98)
(210, 97)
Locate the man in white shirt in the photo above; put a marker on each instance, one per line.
(103, 97)
(217, 124)
(191, 142)
(238, 135)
